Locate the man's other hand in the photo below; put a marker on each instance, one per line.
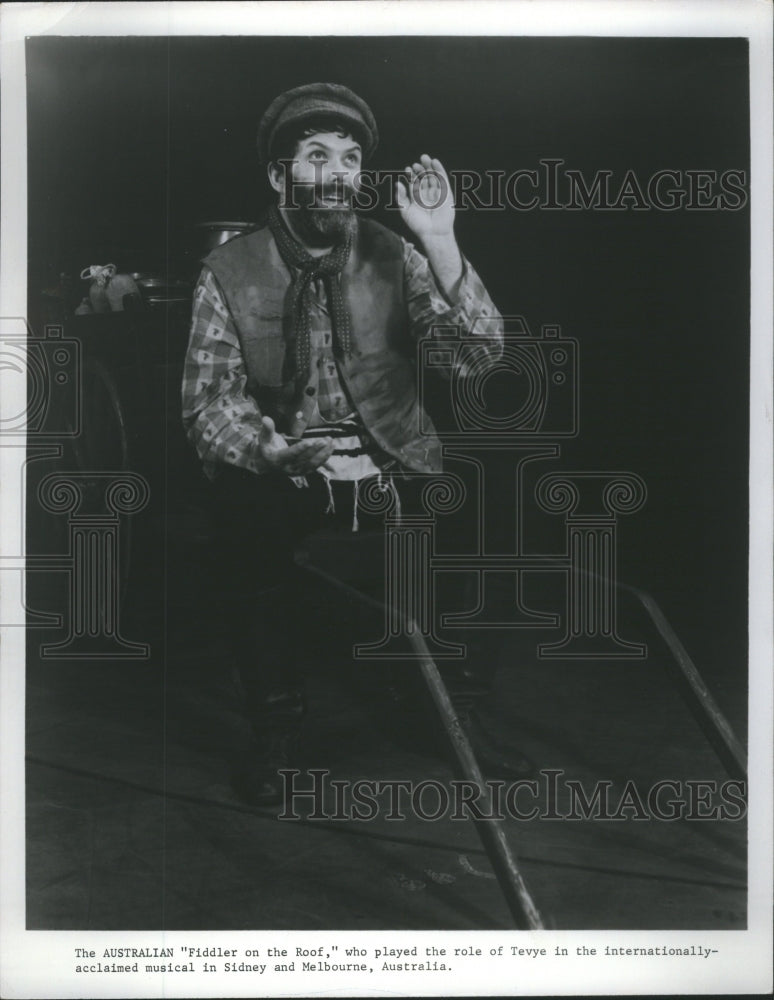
(292, 460)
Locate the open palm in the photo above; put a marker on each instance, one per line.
(425, 200)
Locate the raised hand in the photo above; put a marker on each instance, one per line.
(426, 200)
(292, 460)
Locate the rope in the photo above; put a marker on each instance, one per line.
(101, 273)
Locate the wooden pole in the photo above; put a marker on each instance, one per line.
(490, 831)
(733, 755)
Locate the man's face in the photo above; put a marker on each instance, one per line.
(317, 188)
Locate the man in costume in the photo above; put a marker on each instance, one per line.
(300, 376)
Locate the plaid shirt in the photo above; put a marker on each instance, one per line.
(223, 421)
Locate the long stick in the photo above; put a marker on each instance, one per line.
(490, 831)
(707, 703)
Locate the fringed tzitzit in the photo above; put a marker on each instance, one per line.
(331, 508)
(396, 494)
(390, 485)
(306, 269)
(355, 501)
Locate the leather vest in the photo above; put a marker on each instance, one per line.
(380, 374)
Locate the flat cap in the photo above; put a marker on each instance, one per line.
(316, 100)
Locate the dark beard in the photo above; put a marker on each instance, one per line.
(325, 226)
(318, 225)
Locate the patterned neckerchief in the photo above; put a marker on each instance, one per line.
(306, 269)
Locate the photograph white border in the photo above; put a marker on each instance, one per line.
(38, 964)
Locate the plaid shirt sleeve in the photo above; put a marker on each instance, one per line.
(473, 311)
(222, 421)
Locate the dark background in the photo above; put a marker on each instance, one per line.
(132, 140)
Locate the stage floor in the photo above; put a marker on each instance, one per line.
(132, 824)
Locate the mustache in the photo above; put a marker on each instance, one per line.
(310, 194)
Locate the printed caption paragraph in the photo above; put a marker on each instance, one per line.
(271, 960)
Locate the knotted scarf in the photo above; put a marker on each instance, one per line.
(306, 269)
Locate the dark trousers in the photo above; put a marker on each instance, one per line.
(259, 522)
